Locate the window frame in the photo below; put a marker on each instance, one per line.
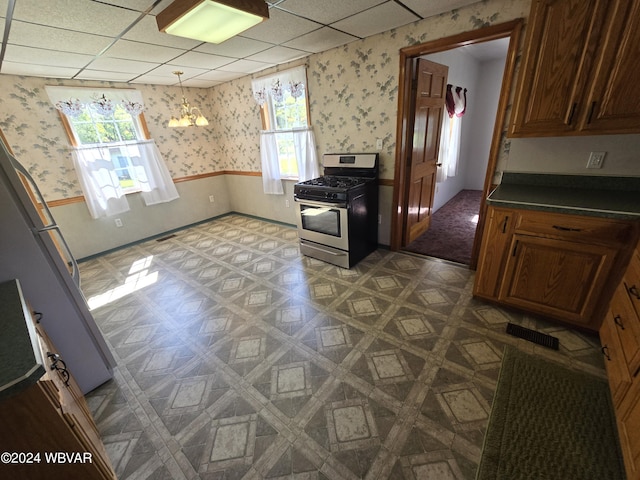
(140, 125)
(267, 117)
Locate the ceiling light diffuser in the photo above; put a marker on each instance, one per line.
(211, 21)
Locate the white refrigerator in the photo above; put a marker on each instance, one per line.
(33, 250)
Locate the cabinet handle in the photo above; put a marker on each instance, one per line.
(573, 111)
(618, 320)
(515, 248)
(62, 370)
(591, 110)
(605, 352)
(566, 229)
(633, 290)
(504, 225)
(37, 316)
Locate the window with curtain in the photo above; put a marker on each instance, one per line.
(287, 144)
(113, 154)
(449, 154)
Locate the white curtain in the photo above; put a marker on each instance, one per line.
(449, 154)
(100, 184)
(271, 180)
(305, 152)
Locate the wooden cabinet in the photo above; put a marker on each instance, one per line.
(579, 70)
(561, 266)
(51, 419)
(620, 338)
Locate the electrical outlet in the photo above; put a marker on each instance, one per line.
(286, 203)
(211, 198)
(378, 144)
(379, 219)
(118, 222)
(596, 159)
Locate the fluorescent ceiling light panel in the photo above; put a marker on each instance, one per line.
(211, 21)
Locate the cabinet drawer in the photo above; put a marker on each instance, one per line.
(576, 228)
(631, 281)
(617, 371)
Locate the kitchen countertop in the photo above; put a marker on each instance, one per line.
(21, 363)
(602, 196)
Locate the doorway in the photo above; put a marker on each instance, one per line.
(405, 129)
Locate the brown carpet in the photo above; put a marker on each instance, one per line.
(452, 230)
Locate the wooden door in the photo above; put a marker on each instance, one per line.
(430, 89)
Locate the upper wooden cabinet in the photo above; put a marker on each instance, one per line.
(579, 73)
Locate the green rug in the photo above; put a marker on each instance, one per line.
(548, 422)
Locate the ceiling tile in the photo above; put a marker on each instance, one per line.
(16, 53)
(142, 51)
(219, 76)
(201, 60)
(30, 35)
(119, 65)
(245, 66)
(328, 11)
(137, 5)
(187, 72)
(104, 76)
(281, 27)
(435, 7)
(237, 47)
(96, 18)
(277, 55)
(320, 40)
(31, 70)
(378, 19)
(154, 80)
(199, 82)
(147, 31)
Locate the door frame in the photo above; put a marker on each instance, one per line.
(511, 30)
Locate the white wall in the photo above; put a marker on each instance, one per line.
(482, 122)
(87, 236)
(569, 155)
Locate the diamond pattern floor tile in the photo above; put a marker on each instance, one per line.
(240, 358)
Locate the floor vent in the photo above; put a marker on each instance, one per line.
(533, 336)
(162, 239)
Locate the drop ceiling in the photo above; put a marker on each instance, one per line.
(119, 41)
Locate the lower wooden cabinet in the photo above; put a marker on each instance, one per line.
(564, 267)
(51, 419)
(620, 338)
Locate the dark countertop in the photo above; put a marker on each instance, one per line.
(602, 196)
(21, 363)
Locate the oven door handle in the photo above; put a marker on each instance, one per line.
(335, 254)
(314, 203)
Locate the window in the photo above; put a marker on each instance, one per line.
(287, 146)
(113, 153)
(284, 116)
(99, 126)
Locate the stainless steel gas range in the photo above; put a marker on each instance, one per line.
(337, 214)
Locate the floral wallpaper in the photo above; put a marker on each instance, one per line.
(352, 92)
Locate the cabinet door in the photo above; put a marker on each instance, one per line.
(627, 326)
(558, 278)
(613, 105)
(495, 241)
(628, 417)
(562, 38)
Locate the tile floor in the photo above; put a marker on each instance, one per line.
(240, 358)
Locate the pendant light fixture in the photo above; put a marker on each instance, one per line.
(212, 21)
(189, 116)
